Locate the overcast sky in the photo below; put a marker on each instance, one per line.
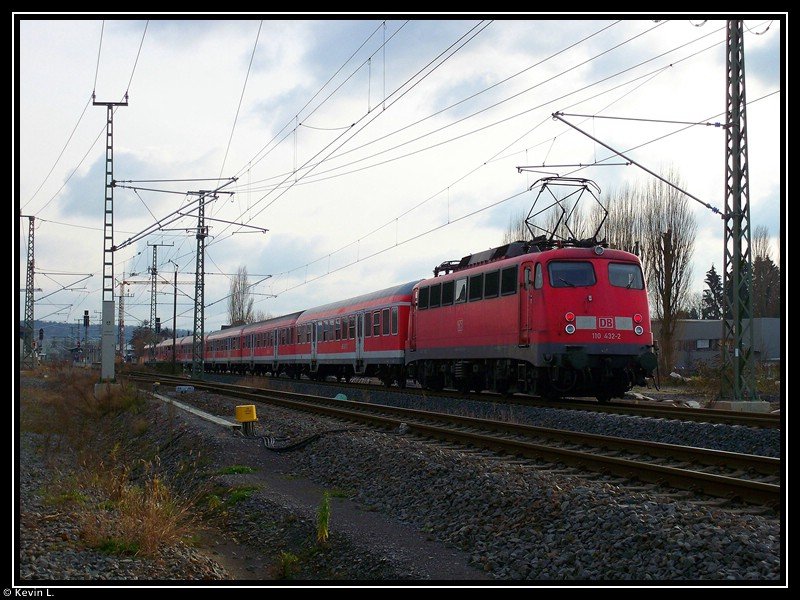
(371, 153)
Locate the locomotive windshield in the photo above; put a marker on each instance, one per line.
(571, 274)
(627, 275)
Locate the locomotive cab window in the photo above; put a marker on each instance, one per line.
(461, 290)
(447, 293)
(436, 295)
(538, 280)
(491, 284)
(476, 287)
(508, 281)
(627, 275)
(571, 274)
(422, 302)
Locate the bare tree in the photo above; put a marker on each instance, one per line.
(240, 300)
(623, 226)
(517, 230)
(260, 315)
(669, 229)
(760, 243)
(694, 306)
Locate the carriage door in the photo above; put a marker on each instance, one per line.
(359, 367)
(412, 318)
(314, 338)
(526, 304)
(275, 351)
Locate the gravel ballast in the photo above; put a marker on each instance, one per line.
(407, 509)
(518, 521)
(730, 438)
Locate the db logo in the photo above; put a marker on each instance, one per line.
(605, 322)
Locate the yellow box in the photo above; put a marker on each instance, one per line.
(246, 413)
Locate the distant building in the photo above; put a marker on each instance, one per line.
(699, 341)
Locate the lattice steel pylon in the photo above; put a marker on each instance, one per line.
(107, 335)
(28, 361)
(738, 372)
(153, 299)
(198, 363)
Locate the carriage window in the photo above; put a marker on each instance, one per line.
(625, 275)
(338, 330)
(436, 295)
(508, 281)
(447, 293)
(571, 274)
(376, 323)
(491, 284)
(394, 320)
(368, 324)
(386, 322)
(308, 332)
(461, 290)
(538, 280)
(475, 287)
(352, 334)
(422, 302)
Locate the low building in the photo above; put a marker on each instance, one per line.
(699, 341)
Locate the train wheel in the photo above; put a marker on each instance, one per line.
(603, 398)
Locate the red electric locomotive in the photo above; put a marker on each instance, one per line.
(546, 320)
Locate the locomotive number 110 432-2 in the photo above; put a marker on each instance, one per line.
(607, 336)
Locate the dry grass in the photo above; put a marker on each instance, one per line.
(136, 518)
(124, 503)
(708, 381)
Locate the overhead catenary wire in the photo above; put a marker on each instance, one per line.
(463, 40)
(60, 154)
(103, 129)
(329, 272)
(494, 123)
(647, 75)
(650, 74)
(256, 158)
(459, 102)
(241, 97)
(494, 105)
(99, 48)
(136, 62)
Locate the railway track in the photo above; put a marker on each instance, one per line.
(705, 415)
(749, 478)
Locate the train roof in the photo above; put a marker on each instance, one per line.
(281, 321)
(503, 256)
(397, 293)
(178, 341)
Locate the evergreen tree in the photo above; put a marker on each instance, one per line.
(712, 295)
